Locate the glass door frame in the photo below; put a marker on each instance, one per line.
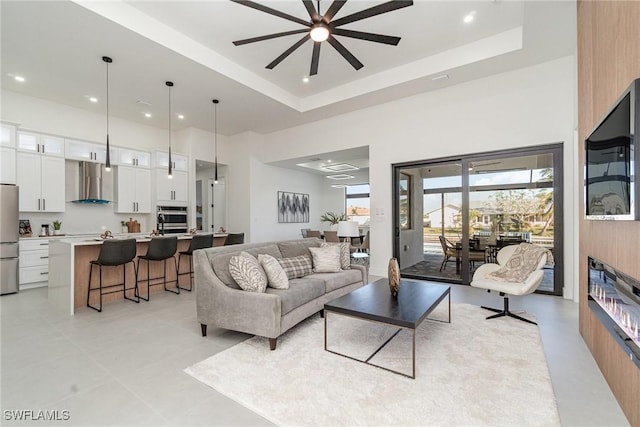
(556, 150)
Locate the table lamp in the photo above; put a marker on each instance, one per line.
(348, 229)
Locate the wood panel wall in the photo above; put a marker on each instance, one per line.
(608, 60)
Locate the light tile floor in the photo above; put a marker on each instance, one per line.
(123, 367)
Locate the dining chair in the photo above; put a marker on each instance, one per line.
(314, 233)
(331, 236)
(449, 250)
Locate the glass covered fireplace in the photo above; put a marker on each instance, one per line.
(615, 299)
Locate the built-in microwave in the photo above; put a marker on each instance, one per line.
(172, 219)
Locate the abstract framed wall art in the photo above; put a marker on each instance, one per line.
(293, 207)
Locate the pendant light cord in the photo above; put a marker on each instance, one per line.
(215, 140)
(169, 85)
(107, 165)
(107, 100)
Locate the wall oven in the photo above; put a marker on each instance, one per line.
(172, 219)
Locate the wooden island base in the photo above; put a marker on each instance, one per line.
(69, 265)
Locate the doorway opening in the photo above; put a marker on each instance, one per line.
(452, 215)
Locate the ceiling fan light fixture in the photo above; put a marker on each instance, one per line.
(319, 33)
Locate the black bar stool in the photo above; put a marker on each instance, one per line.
(234, 239)
(112, 254)
(160, 249)
(199, 241)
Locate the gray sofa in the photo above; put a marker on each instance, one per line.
(221, 303)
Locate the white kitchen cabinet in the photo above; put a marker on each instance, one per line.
(133, 190)
(7, 154)
(89, 151)
(34, 262)
(180, 162)
(42, 183)
(134, 158)
(7, 135)
(7, 165)
(41, 143)
(172, 191)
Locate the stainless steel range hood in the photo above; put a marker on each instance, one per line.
(90, 183)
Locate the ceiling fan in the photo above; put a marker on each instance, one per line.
(323, 27)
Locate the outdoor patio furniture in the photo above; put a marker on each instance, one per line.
(449, 250)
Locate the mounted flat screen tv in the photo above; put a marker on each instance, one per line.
(612, 160)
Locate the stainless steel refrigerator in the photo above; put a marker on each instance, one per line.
(9, 226)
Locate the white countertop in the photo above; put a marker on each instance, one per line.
(88, 240)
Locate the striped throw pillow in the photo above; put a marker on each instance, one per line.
(298, 266)
(246, 270)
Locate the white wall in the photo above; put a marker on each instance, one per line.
(526, 107)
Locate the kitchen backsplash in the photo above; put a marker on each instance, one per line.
(87, 219)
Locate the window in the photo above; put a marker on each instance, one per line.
(405, 202)
(357, 204)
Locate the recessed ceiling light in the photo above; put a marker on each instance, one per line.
(329, 161)
(93, 99)
(469, 17)
(440, 77)
(340, 167)
(340, 176)
(181, 116)
(305, 79)
(19, 78)
(147, 115)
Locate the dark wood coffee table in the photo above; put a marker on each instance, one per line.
(373, 302)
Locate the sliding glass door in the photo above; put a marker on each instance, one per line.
(464, 210)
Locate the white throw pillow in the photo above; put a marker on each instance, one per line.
(326, 260)
(345, 253)
(276, 276)
(245, 269)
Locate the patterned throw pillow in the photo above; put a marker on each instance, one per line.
(298, 266)
(245, 269)
(276, 276)
(326, 260)
(345, 253)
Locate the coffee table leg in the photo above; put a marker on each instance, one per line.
(414, 355)
(325, 330)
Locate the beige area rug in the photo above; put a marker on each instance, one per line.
(472, 372)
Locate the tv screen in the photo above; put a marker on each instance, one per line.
(610, 163)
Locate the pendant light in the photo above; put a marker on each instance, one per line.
(107, 166)
(170, 175)
(215, 140)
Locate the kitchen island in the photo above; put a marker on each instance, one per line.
(69, 264)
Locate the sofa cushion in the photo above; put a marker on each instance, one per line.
(333, 281)
(345, 253)
(326, 260)
(296, 267)
(300, 292)
(220, 262)
(276, 276)
(246, 271)
(298, 247)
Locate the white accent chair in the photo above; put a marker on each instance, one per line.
(507, 288)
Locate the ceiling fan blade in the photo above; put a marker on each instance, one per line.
(269, 36)
(372, 11)
(288, 52)
(378, 38)
(273, 12)
(315, 58)
(311, 9)
(345, 53)
(333, 9)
